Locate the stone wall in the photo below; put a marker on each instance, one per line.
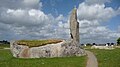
(102, 47)
(62, 49)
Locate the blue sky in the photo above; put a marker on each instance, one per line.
(43, 19)
(57, 7)
(114, 4)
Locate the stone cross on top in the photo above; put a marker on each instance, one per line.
(74, 26)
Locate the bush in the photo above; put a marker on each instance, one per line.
(118, 41)
(88, 44)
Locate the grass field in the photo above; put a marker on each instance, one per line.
(6, 60)
(4, 46)
(107, 58)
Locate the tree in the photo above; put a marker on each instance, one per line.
(94, 44)
(118, 41)
(108, 43)
(88, 44)
(112, 43)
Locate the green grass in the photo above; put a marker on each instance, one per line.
(6, 60)
(36, 43)
(4, 46)
(87, 47)
(108, 58)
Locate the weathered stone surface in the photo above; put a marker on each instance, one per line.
(18, 50)
(62, 49)
(74, 26)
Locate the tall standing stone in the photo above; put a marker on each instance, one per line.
(74, 26)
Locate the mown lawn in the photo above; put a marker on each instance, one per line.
(6, 60)
(107, 58)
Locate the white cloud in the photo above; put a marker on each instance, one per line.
(60, 17)
(96, 1)
(91, 14)
(32, 3)
(95, 12)
(86, 23)
(34, 24)
(23, 4)
(24, 17)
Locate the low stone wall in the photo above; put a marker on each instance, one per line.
(62, 49)
(117, 46)
(102, 47)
